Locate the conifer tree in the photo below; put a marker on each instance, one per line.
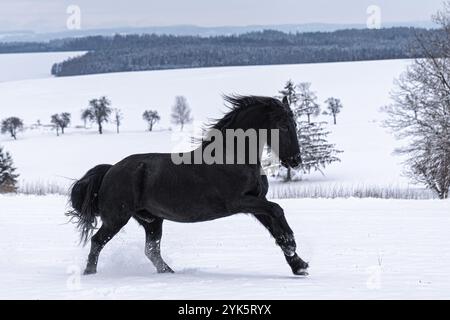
(315, 149)
(8, 176)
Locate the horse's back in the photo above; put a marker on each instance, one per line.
(153, 183)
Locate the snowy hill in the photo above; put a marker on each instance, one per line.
(363, 87)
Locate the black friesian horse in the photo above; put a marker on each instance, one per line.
(151, 188)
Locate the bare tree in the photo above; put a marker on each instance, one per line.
(306, 102)
(152, 117)
(334, 106)
(61, 121)
(181, 112)
(12, 125)
(98, 112)
(420, 112)
(118, 117)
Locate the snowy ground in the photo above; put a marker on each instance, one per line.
(363, 87)
(26, 66)
(357, 248)
(380, 249)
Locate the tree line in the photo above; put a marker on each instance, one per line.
(99, 112)
(121, 53)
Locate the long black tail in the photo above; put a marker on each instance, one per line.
(84, 200)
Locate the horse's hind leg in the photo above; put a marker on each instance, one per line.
(98, 241)
(153, 234)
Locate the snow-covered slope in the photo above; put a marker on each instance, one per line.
(359, 249)
(16, 67)
(363, 87)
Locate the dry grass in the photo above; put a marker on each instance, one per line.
(282, 191)
(294, 191)
(42, 188)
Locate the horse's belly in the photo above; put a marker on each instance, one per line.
(181, 209)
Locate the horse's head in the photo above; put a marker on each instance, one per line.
(288, 147)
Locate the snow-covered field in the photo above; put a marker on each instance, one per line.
(26, 66)
(380, 249)
(356, 248)
(41, 156)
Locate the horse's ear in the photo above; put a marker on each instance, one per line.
(285, 101)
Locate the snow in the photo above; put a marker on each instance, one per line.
(363, 88)
(23, 66)
(357, 249)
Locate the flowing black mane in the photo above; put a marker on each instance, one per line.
(238, 104)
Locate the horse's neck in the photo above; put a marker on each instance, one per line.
(230, 150)
(253, 121)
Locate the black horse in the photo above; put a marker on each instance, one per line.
(151, 188)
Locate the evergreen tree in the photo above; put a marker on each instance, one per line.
(315, 149)
(289, 95)
(289, 91)
(8, 177)
(98, 112)
(152, 117)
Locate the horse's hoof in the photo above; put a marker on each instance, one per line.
(166, 269)
(301, 272)
(89, 271)
(298, 266)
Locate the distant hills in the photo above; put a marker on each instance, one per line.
(192, 30)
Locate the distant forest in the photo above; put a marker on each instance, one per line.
(156, 52)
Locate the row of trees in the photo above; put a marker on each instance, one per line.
(153, 52)
(101, 112)
(315, 149)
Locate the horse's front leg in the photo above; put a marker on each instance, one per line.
(271, 215)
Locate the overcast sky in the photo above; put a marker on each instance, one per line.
(50, 15)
